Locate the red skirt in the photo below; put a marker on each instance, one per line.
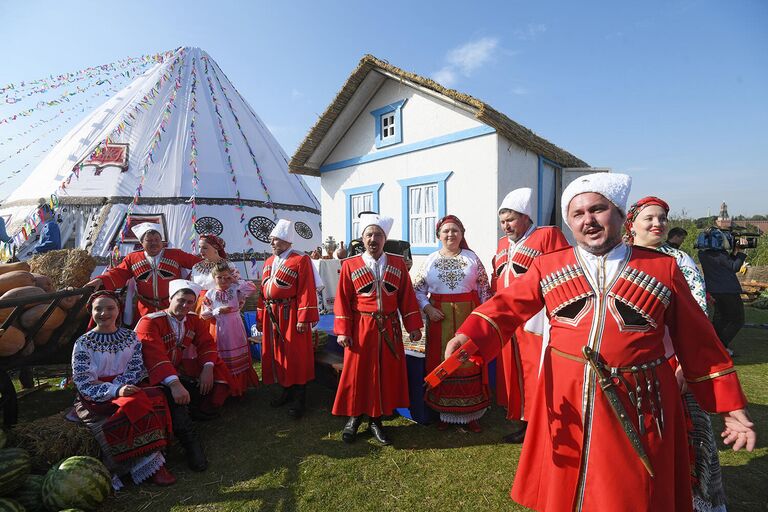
(466, 391)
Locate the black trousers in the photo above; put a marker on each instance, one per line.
(729, 316)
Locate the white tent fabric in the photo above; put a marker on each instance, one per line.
(94, 205)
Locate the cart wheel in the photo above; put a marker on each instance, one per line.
(8, 401)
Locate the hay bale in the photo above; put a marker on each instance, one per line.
(51, 439)
(65, 267)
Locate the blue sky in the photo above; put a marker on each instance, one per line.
(672, 92)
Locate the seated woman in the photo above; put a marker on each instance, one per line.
(131, 424)
(449, 285)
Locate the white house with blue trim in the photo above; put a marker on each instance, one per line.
(404, 146)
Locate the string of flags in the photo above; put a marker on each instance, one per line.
(193, 153)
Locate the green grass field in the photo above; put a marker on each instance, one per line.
(262, 461)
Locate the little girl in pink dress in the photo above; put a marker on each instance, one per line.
(223, 302)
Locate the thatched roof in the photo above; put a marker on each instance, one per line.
(482, 111)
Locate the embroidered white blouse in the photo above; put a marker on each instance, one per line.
(450, 275)
(98, 355)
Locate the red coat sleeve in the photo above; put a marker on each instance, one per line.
(407, 303)
(306, 295)
(494, 278)
(154, 352)
(116, 277)
(185, 259)
(342, 305)
(206, 347)
(555, 241)
(494, 321)
(706, 365)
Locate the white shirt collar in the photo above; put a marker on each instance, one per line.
(375, 265)
(154, 259)
(602, 269)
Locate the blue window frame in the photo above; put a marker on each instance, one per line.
(389, 124)
(423, 204)
(360, 199)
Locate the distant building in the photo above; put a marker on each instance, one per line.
(724, 220)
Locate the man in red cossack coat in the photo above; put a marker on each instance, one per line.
(517, 370)
(373, 288)
(152, 268)
(180, 354)
(607, 430)
(287, 309)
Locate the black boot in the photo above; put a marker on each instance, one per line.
(518, 436)
(377, 430)
(349, 432)
(26, 377)
(184, 429)
(297, 408)
(286, 395)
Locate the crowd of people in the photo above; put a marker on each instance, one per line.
(596, 359)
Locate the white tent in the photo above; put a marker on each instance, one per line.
(178, 142)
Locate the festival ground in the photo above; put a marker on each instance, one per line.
(262, 461)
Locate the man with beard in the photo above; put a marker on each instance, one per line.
(373, 287)
(517, 370)
(607, 430)
(153, 268)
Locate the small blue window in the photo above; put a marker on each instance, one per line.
(358, 200)
(389, 124)
(423, 204)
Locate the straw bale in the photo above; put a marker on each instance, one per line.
(53, 438)
(66, 267)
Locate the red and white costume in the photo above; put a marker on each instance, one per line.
(175, 348)
(576, 454)
(374, 380)
(152, 275)
(288, 290)
(517, 370)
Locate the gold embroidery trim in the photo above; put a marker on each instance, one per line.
(308, 307)
(488, 319)
(158, 364)
(344, 317)
(712, 375)
(409, 314)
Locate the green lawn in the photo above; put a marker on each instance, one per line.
(261, 461)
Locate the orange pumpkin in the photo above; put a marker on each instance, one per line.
(11, 341)
(11, 267)
(15, 279)
(30, 317)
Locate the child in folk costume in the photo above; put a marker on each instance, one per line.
(131, 424)
(223, 302)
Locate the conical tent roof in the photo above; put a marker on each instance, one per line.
(195, 151)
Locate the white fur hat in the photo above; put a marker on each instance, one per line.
(142, 229)
(283, 230)
(519, 200)
(372, 219)
(613, 186)
(180, 284)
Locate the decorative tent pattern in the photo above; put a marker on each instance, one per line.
(178, 144)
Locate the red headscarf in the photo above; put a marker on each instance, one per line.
(635, 209)
(217, 243)
(452, 219)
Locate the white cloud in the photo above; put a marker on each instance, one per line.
(473, 54)
(519, 90)
(445, 76)
(296, 94)
(466, 59)
(532, 31)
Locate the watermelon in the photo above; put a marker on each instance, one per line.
(30, 494)
(9, 505)
(14, 468)
(77, 482)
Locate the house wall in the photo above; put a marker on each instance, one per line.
(470, 189)
(518, 168)
(423, 117)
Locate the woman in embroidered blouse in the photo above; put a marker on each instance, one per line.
(646, 226)
(131, 424)
(448, 286)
